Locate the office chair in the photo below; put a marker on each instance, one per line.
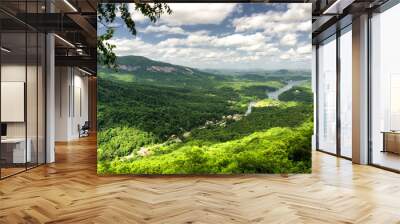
(84, 130)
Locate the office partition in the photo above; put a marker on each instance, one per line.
(22, 77)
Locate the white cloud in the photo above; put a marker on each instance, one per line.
(125, 46)
(290, 54)
(306, 49)
(296, 12)
(290, 39)
(260, 40)
(240, 40)
(270, 51)
(302, 53)
(188, 56)
(202, 50)
(136, 15)
(279, 29)
(191, 40)
(191, 13)
(305, 26)
(250, 43)
(296, 18)
(285, 28)
(201, 32)
(199, 13)
(164, 29)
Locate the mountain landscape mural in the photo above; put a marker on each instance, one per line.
(158, 114)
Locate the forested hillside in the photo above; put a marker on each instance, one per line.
(160, 118)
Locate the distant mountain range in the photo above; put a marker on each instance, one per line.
(143, 64)
(250, 71)
(142, 69)
(140, 64)
(145, 70)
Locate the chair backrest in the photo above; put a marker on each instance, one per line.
(86, 125)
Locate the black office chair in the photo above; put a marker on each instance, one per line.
(84, 130)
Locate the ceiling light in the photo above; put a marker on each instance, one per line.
(86, 72)
(337, 7)
(79, 51)
(65, 41)
(5, 50)
(70, 5)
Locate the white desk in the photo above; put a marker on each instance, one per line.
(19, 155)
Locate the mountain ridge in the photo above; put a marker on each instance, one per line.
(144, 70)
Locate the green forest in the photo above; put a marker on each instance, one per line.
(160, 118)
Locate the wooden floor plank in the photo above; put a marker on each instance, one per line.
(69, 191)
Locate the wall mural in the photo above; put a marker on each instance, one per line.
(206, 89)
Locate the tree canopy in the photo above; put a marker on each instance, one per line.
(106, 15)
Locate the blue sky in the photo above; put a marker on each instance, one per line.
(223, 36)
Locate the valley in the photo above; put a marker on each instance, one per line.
(160, 118)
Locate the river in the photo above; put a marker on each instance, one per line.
(275, 95)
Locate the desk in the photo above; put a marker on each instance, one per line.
(391, 141)
(13, 150)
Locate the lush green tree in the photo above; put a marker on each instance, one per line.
(106, 15)
(277, 150)
(297, 93)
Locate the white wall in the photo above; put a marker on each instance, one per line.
(17, 73)
(62, 82)
(13, 101)
(80, 100)
(9, 73)
(13, 72)
(71, 94)
(33, 126)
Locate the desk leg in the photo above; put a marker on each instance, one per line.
(384, 142)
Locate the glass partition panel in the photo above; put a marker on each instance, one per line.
(22, 77)
(14, 150)
(327, 96)
(31, 98)
(41, 99)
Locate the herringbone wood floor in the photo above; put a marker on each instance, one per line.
(69, 191)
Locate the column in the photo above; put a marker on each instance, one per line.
(360, 90)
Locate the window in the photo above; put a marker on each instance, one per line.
(385, 89)
(22, 91)
(327, 96)
(346, 93)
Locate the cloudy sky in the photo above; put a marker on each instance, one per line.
(223, 36)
